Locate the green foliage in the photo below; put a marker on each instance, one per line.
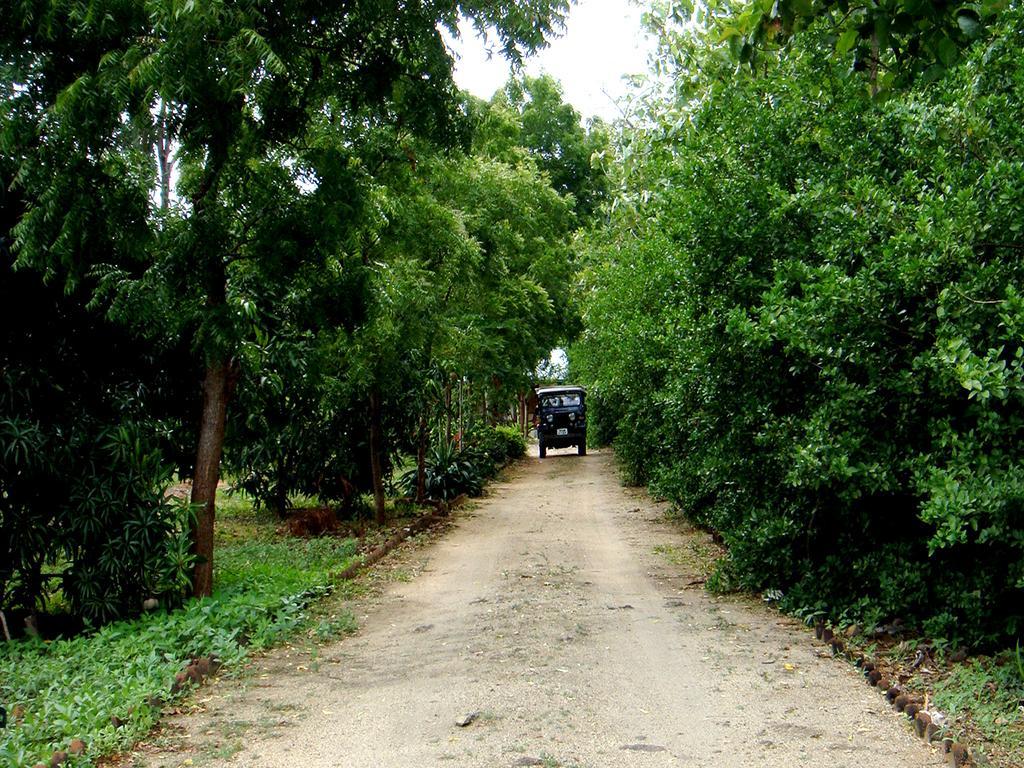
(830, 376)
(529, 120)
(73, 688)
(84, 523)
(450, 472)
(236, 186)
(990, 692)
(501, 444)
(269, 200)
(1019, 659)
(297, 429)
(894, 42)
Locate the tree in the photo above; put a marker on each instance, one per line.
(529, 117)
(84, 443)
(470, 276)
(263, 187)
(894, 41)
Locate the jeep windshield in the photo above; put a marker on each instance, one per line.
(567, 400)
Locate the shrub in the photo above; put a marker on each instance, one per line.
(501, 444)
(450, 472)
(833, 374)
(85, 447)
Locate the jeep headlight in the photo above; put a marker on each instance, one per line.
(572, 417)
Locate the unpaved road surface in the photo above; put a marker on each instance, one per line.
(551, 612)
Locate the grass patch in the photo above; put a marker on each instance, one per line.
(108, 688)
(984, 699)
(980, 699)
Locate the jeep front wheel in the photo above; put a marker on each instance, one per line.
(543, 449)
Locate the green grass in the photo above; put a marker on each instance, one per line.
(988, 698)
(75, 688)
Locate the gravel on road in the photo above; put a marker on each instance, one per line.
(547, 628)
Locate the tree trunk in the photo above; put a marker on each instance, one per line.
(375, 457)
(207, 473)
(448, 411)
(281, 490)
(218, 381)
(421, 461)
(461, 427)
(874, 64)
(164, 150)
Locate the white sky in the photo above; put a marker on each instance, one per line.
(603, 41)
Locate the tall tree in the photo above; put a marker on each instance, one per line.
(529, 117)
(894, 42)
(261, 190)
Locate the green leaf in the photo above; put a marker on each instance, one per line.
(736, 47)
(933, 73)
(846, 41)
(803, 7)
(947, 51)
(903, 23)
(969, 24)
(882, 32)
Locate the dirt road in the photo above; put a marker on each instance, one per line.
(552, 615)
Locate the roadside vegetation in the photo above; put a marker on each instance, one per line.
(975, 699)
(107, 687)
(832, 377)
(828, 205)
(275, 243)
(266, 243)
(290, 272)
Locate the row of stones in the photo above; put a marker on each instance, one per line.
(925, 725)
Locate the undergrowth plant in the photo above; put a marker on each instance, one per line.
(989, 695)
(451, 471)
(501, 444)
(108, 688)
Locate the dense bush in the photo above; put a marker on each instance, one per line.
(294, 433)
(832, 376)
(451, 471)
(84, 461)
(501, 444)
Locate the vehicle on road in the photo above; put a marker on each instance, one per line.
(561, 418)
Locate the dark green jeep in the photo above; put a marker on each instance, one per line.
(561, 418)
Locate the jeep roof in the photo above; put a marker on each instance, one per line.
(559, 390)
